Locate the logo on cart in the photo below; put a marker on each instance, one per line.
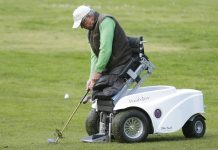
(157, 113)
(141, 99)
(167, 128)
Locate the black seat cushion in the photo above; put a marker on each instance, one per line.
(105, 105)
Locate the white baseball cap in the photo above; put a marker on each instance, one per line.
(78, 15)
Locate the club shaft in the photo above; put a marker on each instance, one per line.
(56, 139)
(71, 116)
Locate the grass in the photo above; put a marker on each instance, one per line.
(41, 58)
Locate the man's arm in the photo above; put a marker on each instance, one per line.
(106, 41)
(93, 64)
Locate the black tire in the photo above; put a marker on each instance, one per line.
(124, 132)
(195, 128)
(92, 122)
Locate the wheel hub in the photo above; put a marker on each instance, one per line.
(133, 127)
(198, 127)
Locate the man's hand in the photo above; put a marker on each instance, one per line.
(91, 82)
(96, 76)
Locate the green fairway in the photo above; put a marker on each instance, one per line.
(42, 58)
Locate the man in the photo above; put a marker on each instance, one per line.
(110, 46)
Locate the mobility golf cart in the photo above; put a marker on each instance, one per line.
(135, 112)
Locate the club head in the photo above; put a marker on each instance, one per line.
(59, 133)
(51, 141)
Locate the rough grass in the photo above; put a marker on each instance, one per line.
(41, 58)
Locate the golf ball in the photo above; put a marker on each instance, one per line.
(66, 96)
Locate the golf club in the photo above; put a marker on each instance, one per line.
(60, 132)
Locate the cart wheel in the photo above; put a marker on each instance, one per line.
(92, 122)
(130, 126)
(195, 128)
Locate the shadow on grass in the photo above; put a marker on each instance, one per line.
(158, 138)
(170, 138)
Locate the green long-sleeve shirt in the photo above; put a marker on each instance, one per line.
(106, 41)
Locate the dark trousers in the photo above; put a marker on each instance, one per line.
(109, 84)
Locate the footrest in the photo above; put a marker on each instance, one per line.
(96, 138)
